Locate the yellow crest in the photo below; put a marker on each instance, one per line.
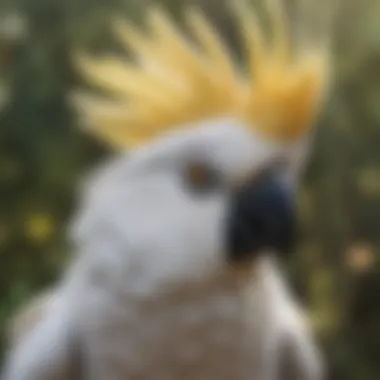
(175, 82)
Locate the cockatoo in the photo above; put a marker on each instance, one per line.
(176, 272)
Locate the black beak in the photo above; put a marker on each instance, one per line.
(262, 216)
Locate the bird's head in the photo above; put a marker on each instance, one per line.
(213, 155)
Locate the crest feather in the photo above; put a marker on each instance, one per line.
(176, 82)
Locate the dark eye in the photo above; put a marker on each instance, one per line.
(202, 179)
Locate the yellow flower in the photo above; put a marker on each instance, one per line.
(39, 227)
(360, 258)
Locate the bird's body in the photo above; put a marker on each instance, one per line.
(197, 333)
(231, 328)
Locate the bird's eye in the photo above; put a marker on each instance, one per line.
(201, 178)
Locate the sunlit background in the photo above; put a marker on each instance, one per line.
(43, 154)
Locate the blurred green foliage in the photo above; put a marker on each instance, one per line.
(43, 154)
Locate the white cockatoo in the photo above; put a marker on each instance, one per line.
(176, 272)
